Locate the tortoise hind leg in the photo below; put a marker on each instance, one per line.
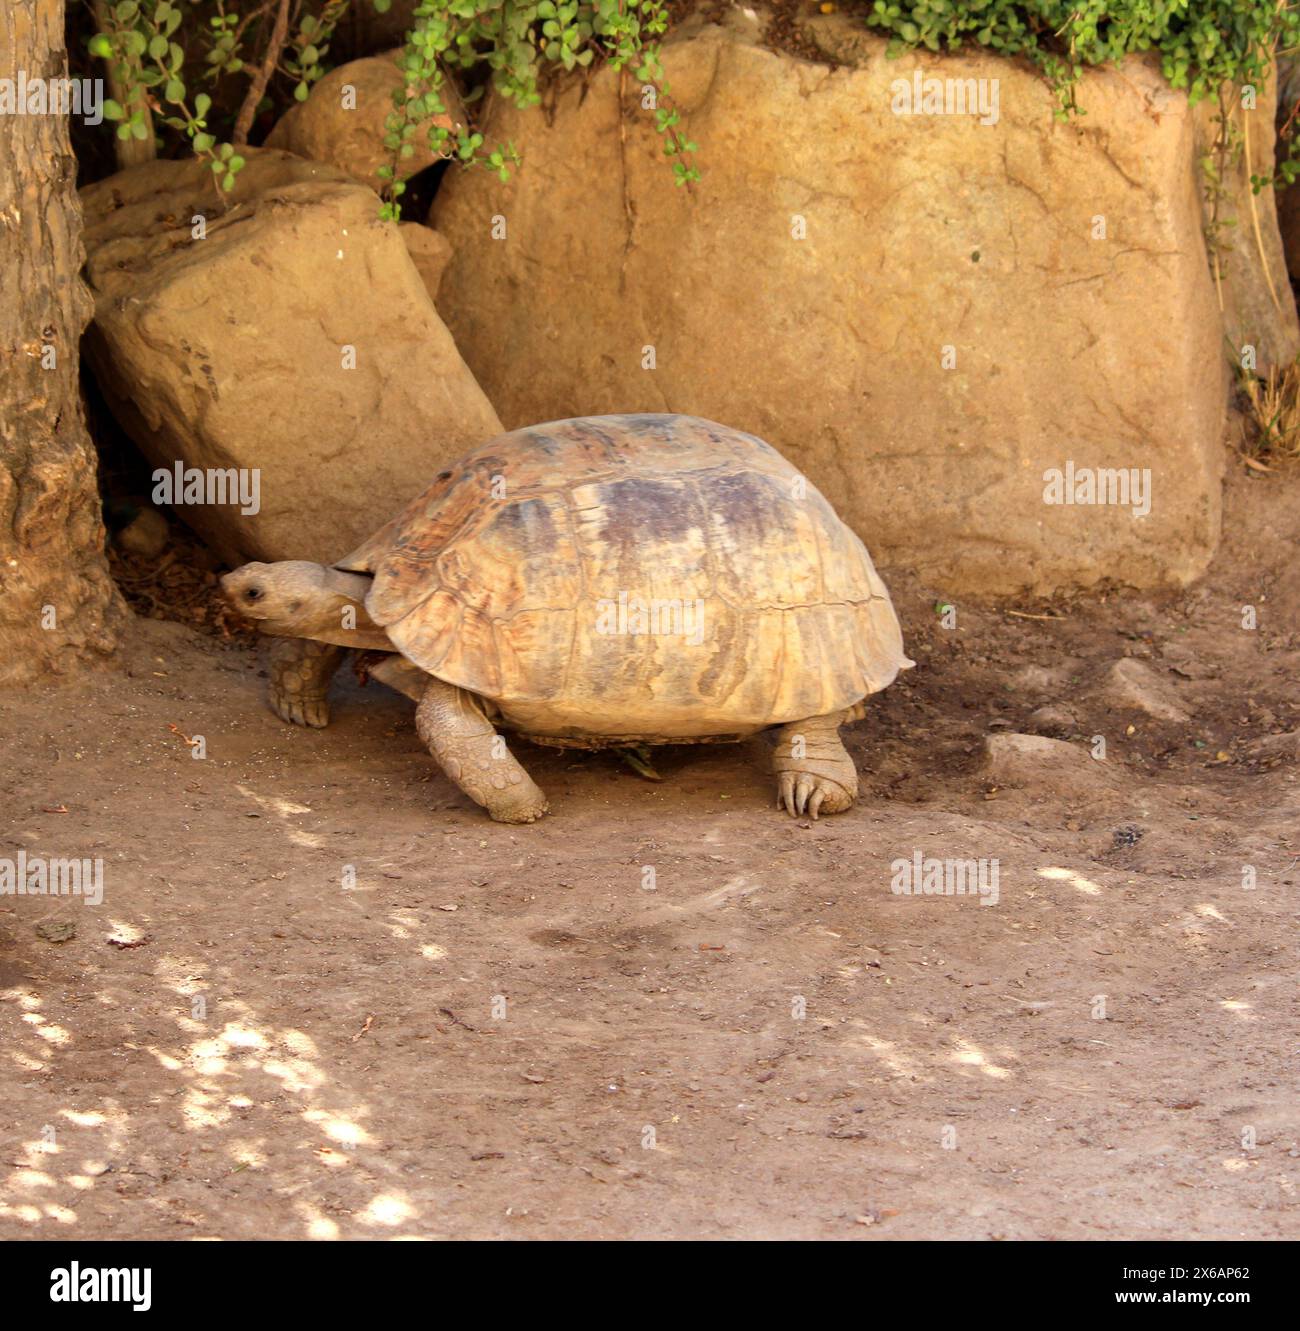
(814, 773)
(452, 723)
(301, 670)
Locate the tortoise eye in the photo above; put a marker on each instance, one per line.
(253, 594)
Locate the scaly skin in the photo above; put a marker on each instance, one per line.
(301, 670)
(451, 722)
(822, 778)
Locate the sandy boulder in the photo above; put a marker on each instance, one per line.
(430, 253)
(934, 315)
(342, 121)
(289, 338)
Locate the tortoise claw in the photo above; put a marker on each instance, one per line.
(807, 795)
(300, 710)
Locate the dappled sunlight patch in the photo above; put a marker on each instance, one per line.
(246, 1154)
(45, 1029)
(284, 808)
(900, 1064)
(1210, 912)
(203, 1109)
(387, 1209)
(86, 1118)
(273, 803)
(969, 1055)
(338, 1129)
(31, 1178)
(1075, 880)
(300, 1043)
(125, 934)
(317, 1225)
(243, 1037)
(208, 1058)
(406, 926)
(296, 1074)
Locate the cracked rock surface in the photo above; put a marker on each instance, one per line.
(925, 312)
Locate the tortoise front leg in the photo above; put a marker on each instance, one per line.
(301, 670)
(814, 773)
(451, 722)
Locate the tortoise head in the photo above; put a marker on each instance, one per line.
(290, 598)
(296, 599)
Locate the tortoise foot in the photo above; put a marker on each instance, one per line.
(301, 671)
(300, 710)
(814, 773)
(524, 803)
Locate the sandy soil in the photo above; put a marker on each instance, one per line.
(509, 1032)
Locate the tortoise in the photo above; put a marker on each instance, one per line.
(602, 581)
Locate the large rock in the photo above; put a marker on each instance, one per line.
(230, 351)
(430, 253)
(923, 232)
(342, 121)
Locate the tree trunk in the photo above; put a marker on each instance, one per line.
(132, 151)
(58, 604)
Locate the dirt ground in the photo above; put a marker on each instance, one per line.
(512, 1032)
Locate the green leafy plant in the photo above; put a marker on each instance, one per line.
(522, 43)
(512, 48)
(1201, 43)
(137, 39)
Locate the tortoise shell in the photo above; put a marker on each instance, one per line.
(651, 576)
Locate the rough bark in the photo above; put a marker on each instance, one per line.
(57, 600)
